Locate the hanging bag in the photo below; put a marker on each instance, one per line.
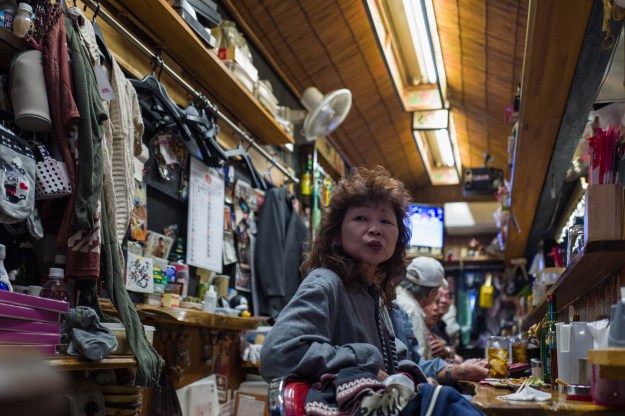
(52, 179)
(17, 178)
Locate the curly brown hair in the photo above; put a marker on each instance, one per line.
(362, 185)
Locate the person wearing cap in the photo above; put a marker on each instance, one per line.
(424, 277)
(419, 289)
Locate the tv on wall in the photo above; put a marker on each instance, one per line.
(427, 222)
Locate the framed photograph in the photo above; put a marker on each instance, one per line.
(158, 245)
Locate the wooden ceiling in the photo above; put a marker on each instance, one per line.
(330, 44)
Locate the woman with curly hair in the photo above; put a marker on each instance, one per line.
(338, 317)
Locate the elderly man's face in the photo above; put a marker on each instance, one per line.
(443, 300)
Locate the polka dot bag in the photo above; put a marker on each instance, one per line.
(51, 180)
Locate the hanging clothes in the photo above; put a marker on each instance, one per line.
(63, 112)
(83, 245)
(122, 132)
(278, 252)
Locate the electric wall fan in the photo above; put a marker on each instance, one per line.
(325, 112)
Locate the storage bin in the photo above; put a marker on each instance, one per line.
(118, 329)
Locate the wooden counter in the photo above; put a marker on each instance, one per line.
(486, 400)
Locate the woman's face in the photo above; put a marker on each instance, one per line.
(369, 234)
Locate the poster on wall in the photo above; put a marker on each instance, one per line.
(205, 226)
(139, 274)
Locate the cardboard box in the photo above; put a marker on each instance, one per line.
(604, 214)
(9, 324)
(236, 55)
(21, 299)
(249, 404)
(28, 314)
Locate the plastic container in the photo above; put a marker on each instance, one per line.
(55, 288)
(23, 21)
(119, 330)
(210, 300)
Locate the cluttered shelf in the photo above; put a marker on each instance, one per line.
(191, 317)
(71, 363)
(207, 69)
(598, 260)
(166, 315)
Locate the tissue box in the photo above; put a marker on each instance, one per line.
(603, 219)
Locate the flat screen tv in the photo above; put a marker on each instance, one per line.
(427, 222)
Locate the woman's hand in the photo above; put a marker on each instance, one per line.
(382, 375)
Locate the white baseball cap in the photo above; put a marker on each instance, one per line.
(426, 271)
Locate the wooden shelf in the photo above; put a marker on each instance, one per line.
(9, 45)
(598, 260)
(72, 363)
(165, 315)
(179, 41)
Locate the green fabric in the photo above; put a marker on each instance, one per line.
(90, 172)
(148, 360)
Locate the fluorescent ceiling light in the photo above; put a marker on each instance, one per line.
(473, 218)
(458, 214)
(419, 32)
(444, 147)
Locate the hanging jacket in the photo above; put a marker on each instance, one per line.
(278, 251)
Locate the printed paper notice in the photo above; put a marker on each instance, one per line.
(205, 225)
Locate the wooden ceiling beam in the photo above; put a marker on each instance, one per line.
(555, 37)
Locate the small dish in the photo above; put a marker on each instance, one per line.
(517, 382)
(497, 382)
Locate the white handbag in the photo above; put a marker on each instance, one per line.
(52, 179)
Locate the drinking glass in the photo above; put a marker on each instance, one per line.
(497, 351)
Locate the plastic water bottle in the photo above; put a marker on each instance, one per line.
(210, 300)
(55, 287)
(5, 282)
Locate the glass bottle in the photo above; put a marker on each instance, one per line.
(55, 287)
(307, 177)
(23, 20)
(548, 345)
(177, 259)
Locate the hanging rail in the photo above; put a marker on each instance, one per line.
(94, 5)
